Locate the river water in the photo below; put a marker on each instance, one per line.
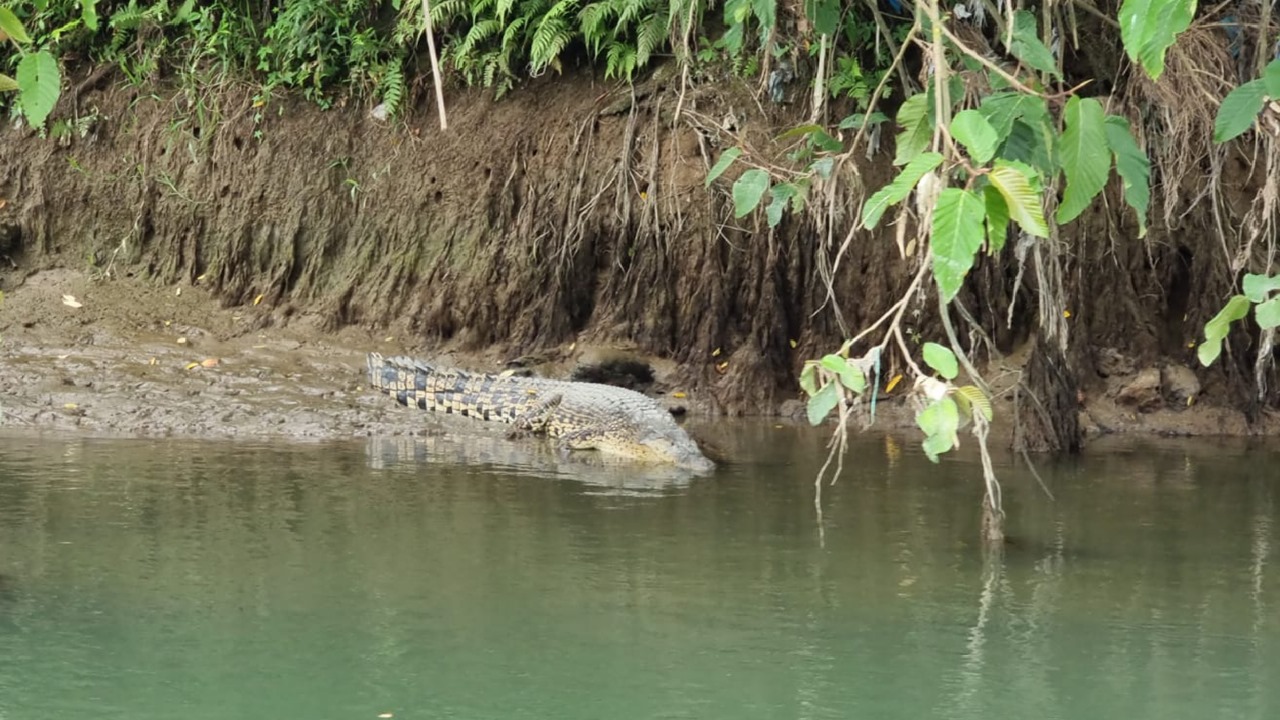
(439, 578)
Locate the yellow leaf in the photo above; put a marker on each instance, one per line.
(793, 344)
(178, 292)
(715, 353)
(70, 301)
(192, 366)
(1066, 313)
(1191, 400)
(678, 395)
(183, 341)
(167, 323)
(893, 383)
(153, 361)
(389, 338)
(1191, 344)
(70, 406)
(202, 277)
(209, 362)
(644, 195)
(721, 367)
(259, 103)
(257, 300)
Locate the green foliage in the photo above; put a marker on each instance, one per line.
(956, 237)
(1148, 28)
(977, 135)
(748, 190)
(941, 359)
(1085, 161)
(1028, 48)
(898, 190)
(833, 380)
(1215, 331)
(38, 80)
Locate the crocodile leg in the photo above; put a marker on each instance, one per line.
(579, 440)
(534, 420)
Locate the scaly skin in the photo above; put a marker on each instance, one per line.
(580, 415)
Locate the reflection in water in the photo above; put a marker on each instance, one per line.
(430, 579)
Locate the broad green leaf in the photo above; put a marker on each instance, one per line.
(997, 219)
(1026, 45)
(809, 379)
(916, 118)
(748, 190)
(782, 194)
(955, 238)
(1271, 78)
(834, 363)
(1268, 313)
(825, 142)
(853, 379)
(1238, 110)
(1021, 199)
(12, 26)
(1085, 160)
(89, 14)
(726, 159)
(1216, 329)
(940, 421)
(7, 84)
(898, 190)
(941, 359)
(1030, 143)
(38, 86)
(976, 134)
(1002, 109)
(978, 399)
(1257, 287)
(799, 131)
(1148, 28)
(857, 120)
(823, 166)
(1134, 168)
(824, 15)
(821, 404)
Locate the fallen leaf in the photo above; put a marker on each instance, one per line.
(1066, 313)
(192, 366)
(793, 344)
(153, 361)
(209, 362)
(183, 341)
(178, 292)
(202, 277)
(384, 716)
(63, 357)
(70, 301)
(715, 353)
(167, 323)
(893, 383)
(389, 338)
(257, 300)
(70, 406)
(678, 395)
(259, 347)
(3, 202)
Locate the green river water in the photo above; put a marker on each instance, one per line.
(460, 578)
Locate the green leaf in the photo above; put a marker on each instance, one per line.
(1001, 109)
(12, 26)
(955, 238)
(1257, 287)
(726, 159)
(941, 359)
(823, 166)
(799, 131)
(781, 193)
(1020, 197)
(1271, 78)
(1085, 160)
(997, 219)
(1216, 329)
(823, 403)
(809, 379)
(940, 421)
(1268, 313)
(89, 14)
(1238, 110)
(916, 117)
(850, 376)
(824, 15)
(1134, 168)
(976, 134)
(1030, 143)
(898, 190)
(857, 120)
(7, 84)
(1026, 45)
(977, 399)
(38, 86)
(748, 190)
(1148, 28)
(834, 363)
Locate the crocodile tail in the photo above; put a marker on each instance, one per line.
(414, 383)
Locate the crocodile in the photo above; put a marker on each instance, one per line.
(580, 415)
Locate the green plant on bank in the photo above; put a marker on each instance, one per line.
(1020, 154)
(1241, 110)
(38, 81)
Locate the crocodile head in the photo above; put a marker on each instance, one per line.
(667, 446)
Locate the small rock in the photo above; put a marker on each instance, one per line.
(1181, 385)
(1143, 392)
(1111, 363)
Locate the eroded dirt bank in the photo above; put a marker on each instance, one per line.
(286, 242)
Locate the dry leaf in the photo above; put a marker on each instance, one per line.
(178, 292)
(893, 383)
(153, 361)
(63, 357)
(678, 394)
(70, 406)
(389, 338)
(257, 299)
(715, 353)
(209, 362)
(70, 301)
(3, 202)
(202, 277)
(793, 344)
(167, 323)
(183, 341)
(192, 366)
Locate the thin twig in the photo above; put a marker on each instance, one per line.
(435, 63)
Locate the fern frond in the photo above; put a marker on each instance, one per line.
(629, 10)
(549, 40)
(512, 34)
(478, 33)
(649, 38)
(620, 61)
(592, 21)
(444, 13)
(504, 7)
(392, 89)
